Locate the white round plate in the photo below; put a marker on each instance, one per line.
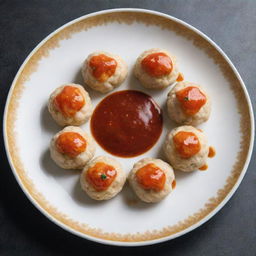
(125, 220)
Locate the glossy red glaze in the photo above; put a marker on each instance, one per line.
(191, 99)
(151, 177)
(69, 101)
(101, 176)
(102, 67)
(71, 144)
(187, 144)
(157, 64)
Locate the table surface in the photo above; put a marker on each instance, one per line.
(23, 229)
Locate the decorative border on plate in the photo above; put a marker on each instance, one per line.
(128, 18)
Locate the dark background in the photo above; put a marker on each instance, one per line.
(24, 230)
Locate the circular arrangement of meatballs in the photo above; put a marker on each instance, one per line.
(102, 178)
(186, 148)
(151, 179)
(104, 71)
(70, 105)
(156, 69)
(127, 124)
(188, 103)
(72, 148)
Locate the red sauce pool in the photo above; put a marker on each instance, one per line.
(127, 123)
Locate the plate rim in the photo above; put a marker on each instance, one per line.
(147, 242)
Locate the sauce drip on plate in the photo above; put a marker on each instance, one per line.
(212, 152)
(127, 123)
(203, 168)
(174, 183)
(191, 99)
(102, 67)
(71, 144)
(69, 101)
(186, 143)
(101, 176)
(157, 64)
(180, 77)
(151, 177)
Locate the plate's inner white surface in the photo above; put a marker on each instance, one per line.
(125, 214)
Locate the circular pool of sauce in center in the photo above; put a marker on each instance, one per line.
(127, 123)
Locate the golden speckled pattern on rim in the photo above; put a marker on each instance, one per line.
(129, 18)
